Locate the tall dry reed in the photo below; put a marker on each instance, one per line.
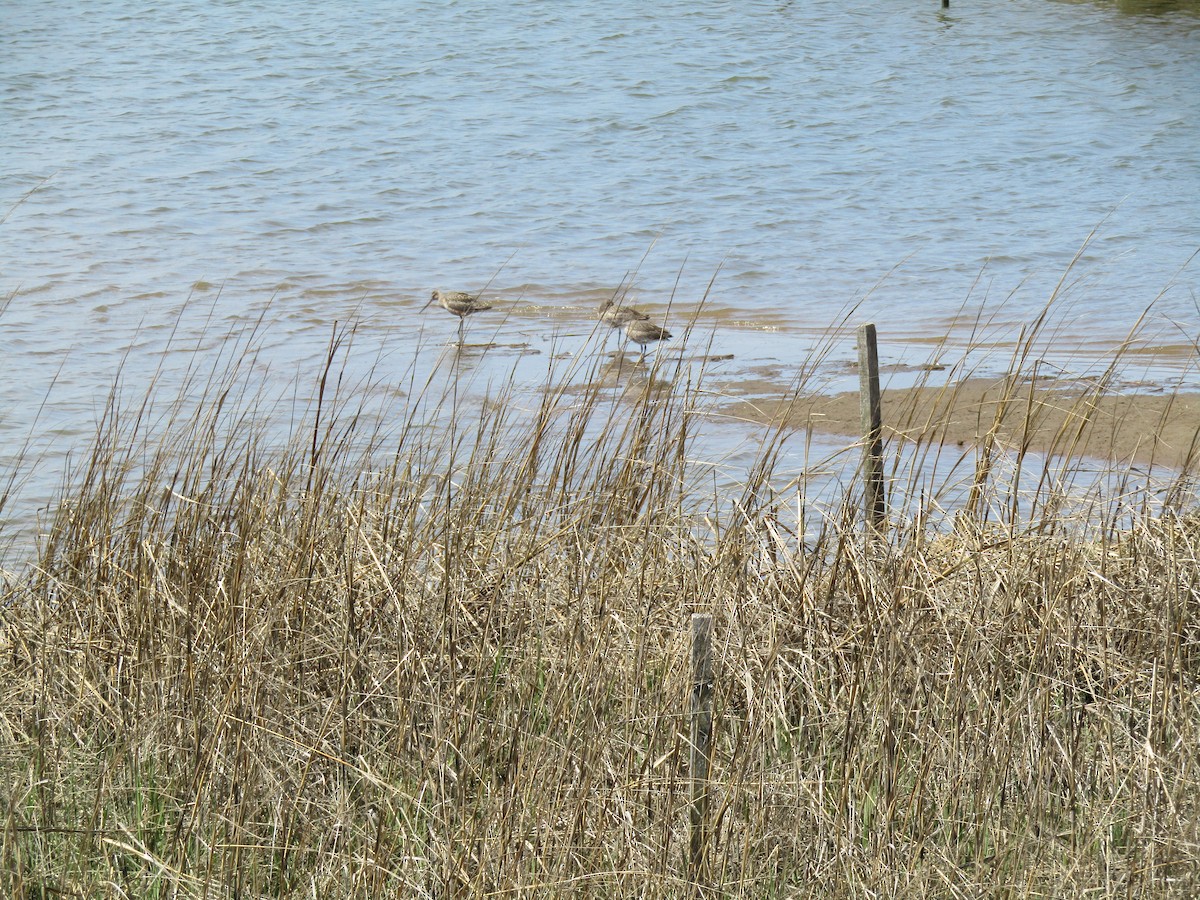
(445, 656)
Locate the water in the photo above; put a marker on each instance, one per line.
(170, 172)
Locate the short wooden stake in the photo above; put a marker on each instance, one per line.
(700, 737)
(871, 412)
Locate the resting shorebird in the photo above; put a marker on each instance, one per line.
(460, 303)
(616, 316)
(643, 332)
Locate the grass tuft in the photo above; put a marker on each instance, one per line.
(447, 657)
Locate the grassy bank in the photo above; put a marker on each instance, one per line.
(449, 658)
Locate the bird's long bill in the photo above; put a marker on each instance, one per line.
(428, 303)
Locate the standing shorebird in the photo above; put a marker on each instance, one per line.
(460, 303)
(616, 316)
(643, 332)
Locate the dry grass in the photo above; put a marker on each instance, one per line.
(450, 659)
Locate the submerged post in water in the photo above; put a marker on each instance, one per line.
(871, 412)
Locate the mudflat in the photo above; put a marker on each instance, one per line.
(1140, 428)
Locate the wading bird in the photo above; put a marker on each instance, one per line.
(617, 316)
(643, 332)
(460, 303)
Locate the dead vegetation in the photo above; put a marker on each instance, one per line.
(448, 658)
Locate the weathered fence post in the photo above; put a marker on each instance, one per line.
(700, 738)
(871, 413)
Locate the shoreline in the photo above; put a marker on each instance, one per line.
(1056, 417)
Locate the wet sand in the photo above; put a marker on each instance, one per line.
(1128, 428)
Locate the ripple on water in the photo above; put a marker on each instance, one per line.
(821, 161)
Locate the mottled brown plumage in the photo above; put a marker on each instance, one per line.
(642, 332)
(617, 316)
(459, 303)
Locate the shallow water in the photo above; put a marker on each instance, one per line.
(170, 173)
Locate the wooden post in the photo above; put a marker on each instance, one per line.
(871, 412)
(700, 737)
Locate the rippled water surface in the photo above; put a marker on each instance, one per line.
(170, 172)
